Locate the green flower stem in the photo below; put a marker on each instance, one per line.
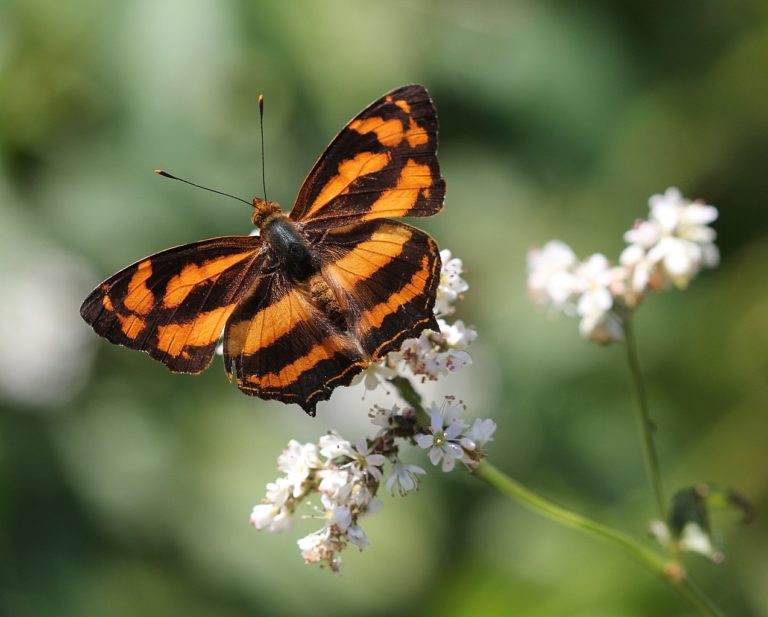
(644, 422)
(671, 572)
(537, 503)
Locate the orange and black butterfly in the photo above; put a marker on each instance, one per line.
(321, 291)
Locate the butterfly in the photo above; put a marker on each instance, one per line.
(322, 291)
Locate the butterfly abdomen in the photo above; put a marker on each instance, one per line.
(323, 297)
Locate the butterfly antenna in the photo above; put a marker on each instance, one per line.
(261, 129)
(165, 174)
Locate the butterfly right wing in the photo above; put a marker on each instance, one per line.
(173, 305)
(383, 164)
(385, 274)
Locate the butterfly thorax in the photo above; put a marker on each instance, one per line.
(288, 245)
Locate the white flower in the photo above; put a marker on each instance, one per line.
(445, 440)
(451, 410)
(336, 514)
(332, 445)
(365, 461)
(596, 282)
(481, 432)
(274, 512)
(594, 276)
(644, 234)
(550, 275)
(280, 491)
(403, 478)
(640, 273)
(263, 514)
(374, 375)
(680, 259)
(268, 515)
(451, 284)
(432, 355)
(675, 214)
(362, 498)
(309, 544)
(298, 461)
(676, 239)
(457, 335)
(357, 536)
(601, 328)
(320, 546)
(337, 483)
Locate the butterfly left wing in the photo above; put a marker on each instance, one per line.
(173, 305)
(385, 274)
(382, 164)
(281, 345)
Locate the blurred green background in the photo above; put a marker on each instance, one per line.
(126, 491)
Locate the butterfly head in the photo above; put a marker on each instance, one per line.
(262, 210)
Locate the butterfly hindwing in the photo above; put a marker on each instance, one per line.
(281, 345)
(173, 305)
(386, 274)
(383, 164)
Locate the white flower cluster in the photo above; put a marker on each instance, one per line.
(450, 439)
(347, 478)
(451, 286)
(344, 476)
(669, 248)
(435, 354)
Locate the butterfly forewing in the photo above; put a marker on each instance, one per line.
(382, 164)
(174, 304)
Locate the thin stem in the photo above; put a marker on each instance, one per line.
(691, 592)
(537, 503)
(644, 422)
(672, 573)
